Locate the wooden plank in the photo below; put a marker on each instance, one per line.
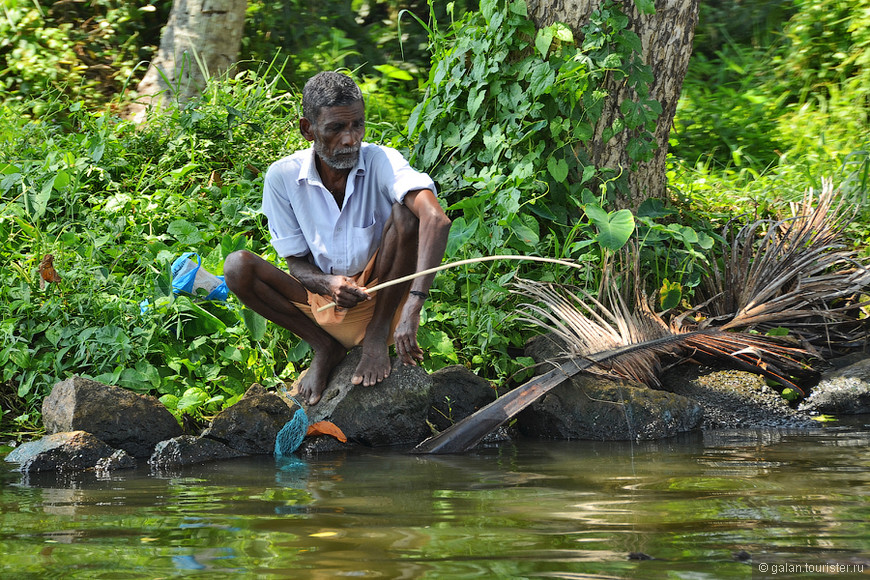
(464, 435)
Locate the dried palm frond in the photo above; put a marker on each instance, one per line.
(588, 330)
(774, 273)
(796, 270)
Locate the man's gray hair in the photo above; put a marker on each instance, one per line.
(328, 89)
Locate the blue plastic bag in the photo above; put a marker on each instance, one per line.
(189, 276)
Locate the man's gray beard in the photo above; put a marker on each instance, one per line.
(337, 162)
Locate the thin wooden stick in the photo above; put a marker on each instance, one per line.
(388, 283)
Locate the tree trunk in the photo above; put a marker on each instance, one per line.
(200, 40)
(667, 39)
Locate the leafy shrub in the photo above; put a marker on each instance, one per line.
(763, 117)
(114, 205)
(503, 127)
(86, 49)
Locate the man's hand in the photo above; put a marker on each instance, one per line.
(345, 292)
(405, 337)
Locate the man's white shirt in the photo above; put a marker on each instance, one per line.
(304, 216)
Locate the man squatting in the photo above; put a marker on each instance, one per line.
(345, 215)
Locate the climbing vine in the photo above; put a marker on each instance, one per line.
(508, 116)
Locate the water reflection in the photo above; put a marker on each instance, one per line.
(545, 509)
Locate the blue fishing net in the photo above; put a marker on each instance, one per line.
(290, 436)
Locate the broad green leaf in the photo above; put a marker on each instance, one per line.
(255, 323)
(35, 203)
(488, 8)
(96, 151)
(541, 79)
(230, 244)
(180, 173)
(169, 401)
(705, 241)
(299, 351)
(595, 214)
(519, 7)
(670, 294)
(191, 399)
(208, 322)
(185, 232)
(562, 32)
(653, 208)
(437, 344)
(524, 233)
(614, 229)
(393, 72)
(688, 234)
(544, 40)
(612, 61)
(213, 262)
(61, 180)
(475, 98)
(646, 6)
(460, 232)
(558, 168)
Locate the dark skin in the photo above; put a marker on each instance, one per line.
(414, 239)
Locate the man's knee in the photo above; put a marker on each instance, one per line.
(238, 269)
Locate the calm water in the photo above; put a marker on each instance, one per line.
(797, 503)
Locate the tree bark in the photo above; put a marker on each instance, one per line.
(201, 40)
(667, 39)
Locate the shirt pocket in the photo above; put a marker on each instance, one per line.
(363, 241)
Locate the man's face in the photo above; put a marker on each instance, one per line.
(337, 134)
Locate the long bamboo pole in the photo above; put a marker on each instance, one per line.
(389, 283)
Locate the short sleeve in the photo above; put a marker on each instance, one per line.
(396, 171)
(287, 236)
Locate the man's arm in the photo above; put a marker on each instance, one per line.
(343, 291)
(432, 241)
(432, 236)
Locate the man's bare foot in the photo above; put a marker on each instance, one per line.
(312, 385)
(373, 367)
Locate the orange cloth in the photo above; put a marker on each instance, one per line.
(348, 325)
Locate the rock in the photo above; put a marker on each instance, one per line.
(251, 425)
(393, 412)
(314, 446)
(117, 416)
(117, 460)
(545, 347)
(188, 450)
(590, 407)
(67, 451)
(734, 399)
(845, 391)
(456, 393)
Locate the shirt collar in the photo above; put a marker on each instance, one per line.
(308, 171)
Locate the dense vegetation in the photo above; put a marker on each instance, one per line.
(767, 112)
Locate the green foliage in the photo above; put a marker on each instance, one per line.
(376, 39)
(115, 205)
(503, 127)
(509, 111)
(88, 50)
(776, 99)
(797, 106)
